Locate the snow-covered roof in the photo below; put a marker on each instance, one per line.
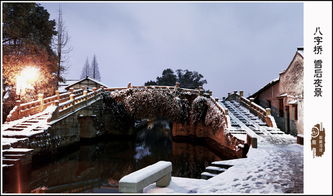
(301, 52)
(271, 83)
(275, 80)
(97, 82)
(87, 78)
(63, 85)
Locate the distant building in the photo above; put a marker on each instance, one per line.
(284, 96)
(87, 82)
(66, 83)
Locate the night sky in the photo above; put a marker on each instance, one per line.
(236, 46)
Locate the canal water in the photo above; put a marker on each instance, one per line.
(96, 167)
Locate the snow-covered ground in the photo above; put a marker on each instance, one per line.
(271, 168)
(276, 166)
(177, 185)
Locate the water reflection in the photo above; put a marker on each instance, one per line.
(97, 167)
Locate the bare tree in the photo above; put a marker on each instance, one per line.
(61, 46)
(85, 70)
(95, 70)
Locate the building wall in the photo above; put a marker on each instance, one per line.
(269, 95)
(291, 83)
(290, 86)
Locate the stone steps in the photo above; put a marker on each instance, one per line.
(238, 132)
(5, 146)
(20, 131)
(14, 129)
(16, 150)
(207, 175)
(214, 169)
(7, 165)
(14, 136)
(221, 165)
(20, 126)
(25, 124)
(10, 161)
(31, 121)
(13, 156)
(256, 124)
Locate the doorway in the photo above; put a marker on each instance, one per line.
(288, 119)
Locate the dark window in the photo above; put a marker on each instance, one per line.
(281, 107)
(269, 103)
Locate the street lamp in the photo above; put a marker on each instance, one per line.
(26, 79)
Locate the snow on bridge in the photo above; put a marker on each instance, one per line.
(246, 116)
(34, 118)
(243, 118)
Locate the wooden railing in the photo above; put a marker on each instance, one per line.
(36, 106)
(74, 103)
(253, 107)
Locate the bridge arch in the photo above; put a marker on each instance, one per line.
(193, 113)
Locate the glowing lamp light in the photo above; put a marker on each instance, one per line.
(26, 79)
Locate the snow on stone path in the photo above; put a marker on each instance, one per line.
(267, 137)
(31, 129)
(268, 169)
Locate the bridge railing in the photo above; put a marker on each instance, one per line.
(255, 108)
(75, 103)
(36, 106)
(263, 114)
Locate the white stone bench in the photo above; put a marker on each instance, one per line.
(159, 172)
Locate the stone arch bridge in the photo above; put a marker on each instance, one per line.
(47, 124)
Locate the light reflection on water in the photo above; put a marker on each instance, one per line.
(97, 167)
